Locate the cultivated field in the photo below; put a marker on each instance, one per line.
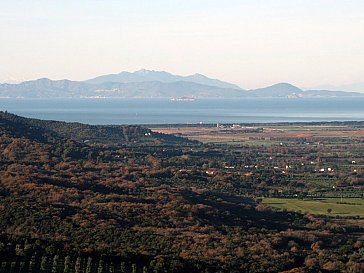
(262, 134)
(327, 206)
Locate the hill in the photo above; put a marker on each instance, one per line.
(126, 202)
(49, 131)
(155, 84)
(144, 75)
(286, 90)
(46, 88)
(353, 87)
(276, 90)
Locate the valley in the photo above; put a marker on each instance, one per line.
(95, 198)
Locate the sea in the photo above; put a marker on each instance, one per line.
(199, 111)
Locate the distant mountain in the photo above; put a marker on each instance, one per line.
(329, 94)
(144, 75)
(357, 87)
(286, 90)
(276, 90)
(353, 87)
(155, 84)
(156, 89)
(46, 88)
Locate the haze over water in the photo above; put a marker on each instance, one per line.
(164, 111)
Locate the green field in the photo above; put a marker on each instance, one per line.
(338, 206)
(236, 142)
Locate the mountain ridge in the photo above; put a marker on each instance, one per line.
(279, 90)
(45, 88)
(144, 75)
(352, 87)
(155, 84)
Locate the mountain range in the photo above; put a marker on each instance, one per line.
(356, 87)
(154, 84)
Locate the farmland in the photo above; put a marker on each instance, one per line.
(265, 134)
(180, 198)
(324, 206)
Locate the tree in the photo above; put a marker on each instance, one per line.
(55, 264)
(122, 267)
(44, 264)
(32, 263)
(89, 265)
(100, 269)
(66, 265)
(112, 267)
(78, 265)
(133, 268)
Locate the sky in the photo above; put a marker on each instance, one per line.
(252, 43)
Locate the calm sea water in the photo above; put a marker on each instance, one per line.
(157, 111)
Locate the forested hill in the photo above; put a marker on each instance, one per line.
(154, 205)
(49, 131)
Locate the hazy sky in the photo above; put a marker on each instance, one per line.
(249, 42)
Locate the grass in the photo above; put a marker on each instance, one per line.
(265, 143)
(344, 207)
(234, 140)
